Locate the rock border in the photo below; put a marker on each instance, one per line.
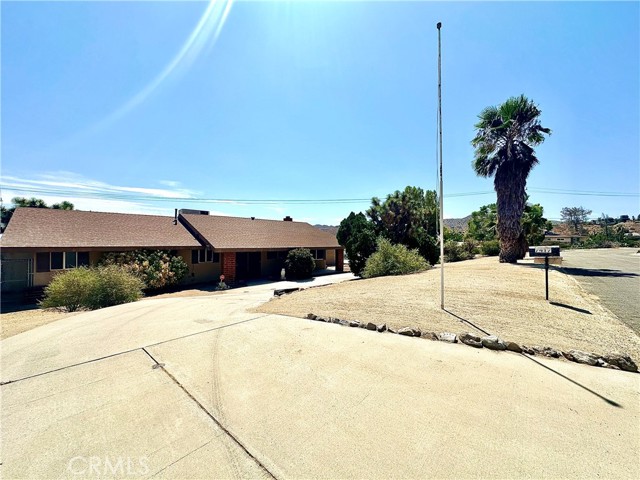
(614, 361)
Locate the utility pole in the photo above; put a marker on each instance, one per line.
(438, 26)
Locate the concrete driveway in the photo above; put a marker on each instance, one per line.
(200, 388)
(612, 275)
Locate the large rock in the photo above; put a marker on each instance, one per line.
(409, 332)
(371, 326)
(354, 323)
(623, 362)
(470, 339)
(581, 357)
(493, 343)
(514, 347)
(311, 316)
(382, 328)
(448, 337)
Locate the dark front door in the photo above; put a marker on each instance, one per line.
(248, 265)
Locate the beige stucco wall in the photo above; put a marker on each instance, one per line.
(200, 272)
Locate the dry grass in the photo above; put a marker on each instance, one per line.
(504, 300)
(14, 323)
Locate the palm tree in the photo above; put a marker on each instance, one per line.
(504, 141)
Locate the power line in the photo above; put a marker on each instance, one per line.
(114, 195)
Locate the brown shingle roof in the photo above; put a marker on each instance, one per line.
(47, 228)
(231, 233)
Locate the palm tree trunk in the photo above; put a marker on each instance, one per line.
(510, 183)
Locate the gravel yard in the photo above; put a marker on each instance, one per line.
(502, 299)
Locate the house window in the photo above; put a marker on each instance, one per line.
(70, 259)
(43, 262)
(83, 259)
(319, 254)
(57, 260)
(202, 256)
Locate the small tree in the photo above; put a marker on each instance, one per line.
(358, 236)
(392, 259)
(299, 264)
(575, 217)
(408, 217)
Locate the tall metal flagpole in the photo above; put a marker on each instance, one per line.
(440, 170)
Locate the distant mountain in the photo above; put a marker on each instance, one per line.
(459, 224)
(328, 228)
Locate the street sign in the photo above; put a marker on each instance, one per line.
(545, 251)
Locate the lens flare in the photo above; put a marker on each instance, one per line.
(203, 36)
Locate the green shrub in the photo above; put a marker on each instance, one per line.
(91, 288)
(392, 259)
(71, 289)
(156, 268)
(490, 248)
(299, 264)
(116, 285)
(457, 251)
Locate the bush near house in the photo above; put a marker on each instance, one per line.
(92, 288)
(156, 268)
(299, 264)
(392, 259)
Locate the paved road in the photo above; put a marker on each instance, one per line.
(613, 275)
(203, 388)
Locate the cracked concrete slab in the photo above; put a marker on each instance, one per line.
(115, 418)
(316, 400)
(108, 331)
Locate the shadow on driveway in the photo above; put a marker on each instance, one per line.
(597, 272)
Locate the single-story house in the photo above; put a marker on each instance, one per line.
(557, 238)
(40, 242)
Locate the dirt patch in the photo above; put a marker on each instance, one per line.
(501, 299)
(14, 323)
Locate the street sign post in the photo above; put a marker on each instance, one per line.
(546, 252)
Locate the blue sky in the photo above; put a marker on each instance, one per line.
(149, 106)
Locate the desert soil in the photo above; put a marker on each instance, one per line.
(13, 323)
(501, 299)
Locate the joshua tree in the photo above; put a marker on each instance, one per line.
(504, 141)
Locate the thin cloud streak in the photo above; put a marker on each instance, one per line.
(204, 35)
(68, 180)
